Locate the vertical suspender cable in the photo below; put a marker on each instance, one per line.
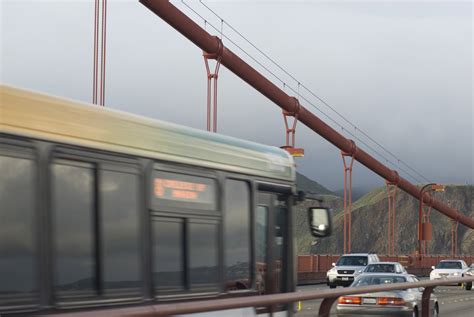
(96, 52)
(103, 52)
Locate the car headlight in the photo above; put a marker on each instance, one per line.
(359, 271)
(456, 274)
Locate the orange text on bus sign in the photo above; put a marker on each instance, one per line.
(179, 189)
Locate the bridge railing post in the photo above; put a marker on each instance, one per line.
(425, 301)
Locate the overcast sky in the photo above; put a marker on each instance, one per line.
(401, 71)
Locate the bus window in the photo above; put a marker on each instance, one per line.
(96, 228)
(203, 260)
(261, 246)
(237, 235)
(119, 217)
(168, 254)
(17, 190)
(73, 201)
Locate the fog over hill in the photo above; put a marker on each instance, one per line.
(369, 223)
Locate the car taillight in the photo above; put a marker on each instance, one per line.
(390, 301)
(349, 300)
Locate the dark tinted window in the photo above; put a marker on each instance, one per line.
(237, 234)
(73, 201)
(384, 268)
(261, 223)
(16, 226)
(352, 261)
(378, 279)
(119, 217)
(261, 234)
(203, 254)
(168, 260)
(449, 265)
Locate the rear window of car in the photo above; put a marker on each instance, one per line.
(381, 268)
(449, 265)
(377, 280)
(352, 261)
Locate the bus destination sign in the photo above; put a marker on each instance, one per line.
(175, 187)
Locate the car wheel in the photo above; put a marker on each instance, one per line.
(468, 286)
(415, 312)
(332, 286)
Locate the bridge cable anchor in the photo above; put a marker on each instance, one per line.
(290, 132)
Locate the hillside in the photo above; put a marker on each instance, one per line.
(310, 186)
(369, 224)
(357, 192)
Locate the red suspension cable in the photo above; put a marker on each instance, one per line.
(96, 52)
(103, 52)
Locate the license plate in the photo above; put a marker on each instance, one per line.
(369, 301)
(345, 278)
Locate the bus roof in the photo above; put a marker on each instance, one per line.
(42, 116)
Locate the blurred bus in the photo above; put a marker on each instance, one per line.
(103, 208)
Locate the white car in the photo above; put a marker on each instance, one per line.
(449, 269)
(348, 267)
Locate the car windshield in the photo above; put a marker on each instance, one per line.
(378, 279)
(449, 265)
(381, 268)
(352, 261)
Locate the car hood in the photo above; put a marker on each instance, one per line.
(350, 268)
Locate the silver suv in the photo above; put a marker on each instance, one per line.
(348, 267)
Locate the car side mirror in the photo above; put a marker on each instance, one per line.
(320, 221)
(432, 267)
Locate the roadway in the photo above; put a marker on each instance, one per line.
(453, 301)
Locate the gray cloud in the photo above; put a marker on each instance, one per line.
(402, 71)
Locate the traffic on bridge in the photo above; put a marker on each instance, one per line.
(127, 200)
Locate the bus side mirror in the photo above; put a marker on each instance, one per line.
(300, 196)
(320, 221)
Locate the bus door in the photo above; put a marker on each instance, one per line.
(271, 242)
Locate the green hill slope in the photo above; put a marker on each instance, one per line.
(311, 186)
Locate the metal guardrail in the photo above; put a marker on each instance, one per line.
(313, 263)
(329, 297)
